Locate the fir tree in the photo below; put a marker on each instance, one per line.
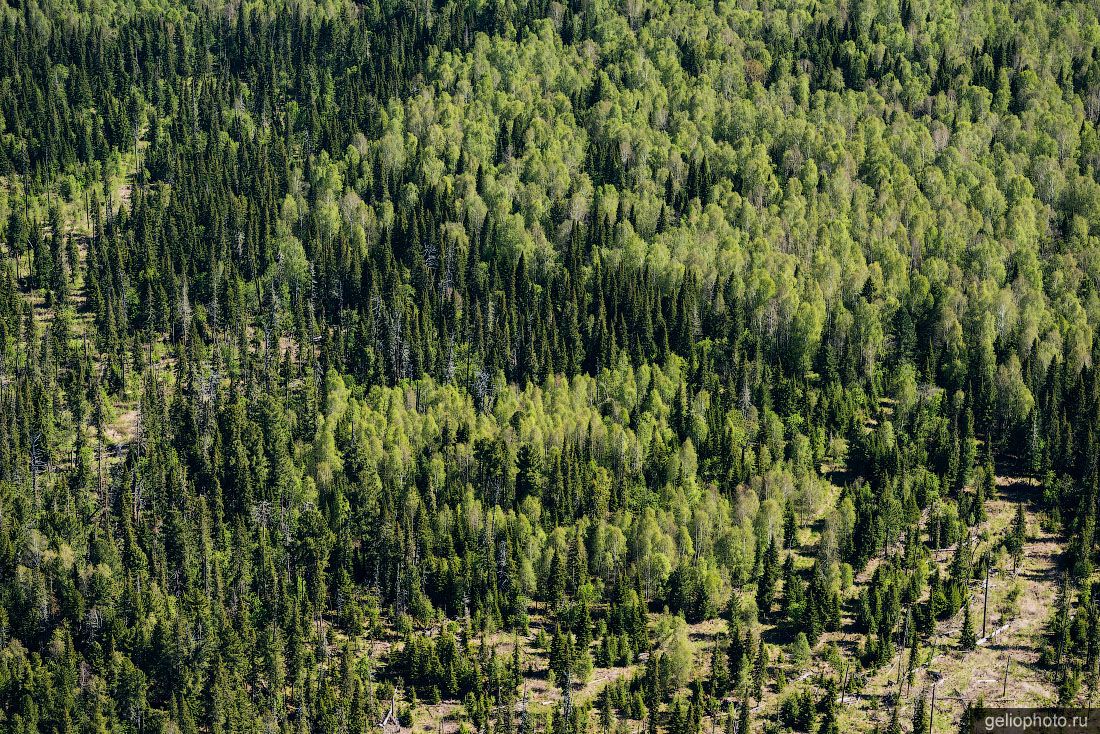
(968, 640)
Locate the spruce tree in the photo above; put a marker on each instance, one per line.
(968, 640)
(920, 715)
(765, 586)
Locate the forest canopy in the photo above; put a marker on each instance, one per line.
(545, 366)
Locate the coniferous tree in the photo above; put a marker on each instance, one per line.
(765, 586)
(968, 640)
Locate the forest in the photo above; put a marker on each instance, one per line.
(547, 366)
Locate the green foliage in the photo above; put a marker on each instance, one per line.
(968, 640)
(328, 325)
